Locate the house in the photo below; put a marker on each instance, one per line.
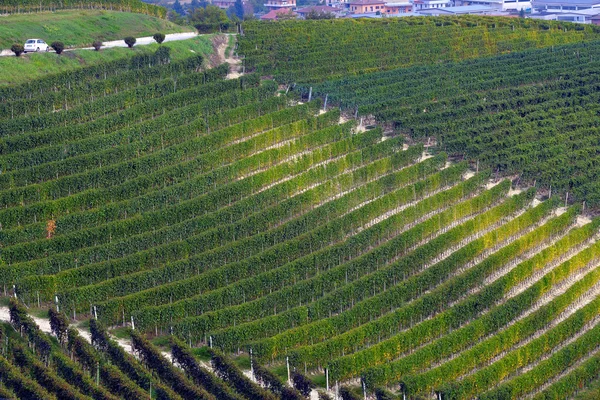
(303, 12)
(580, 17)
(366, 6)
(564, 5)
(426, 4)
(459, 10)
(274, 15)
(399, 7)
(280, 4)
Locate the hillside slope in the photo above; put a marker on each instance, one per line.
(76, 28)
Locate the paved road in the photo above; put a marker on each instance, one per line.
(121, 43)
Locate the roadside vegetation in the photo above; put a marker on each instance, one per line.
(76, 28)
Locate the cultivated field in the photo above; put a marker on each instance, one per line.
(399, 233)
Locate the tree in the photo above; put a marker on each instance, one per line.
(210, 19)
(286, 15)
(58, 47)
(178, 8)
(239, 9)
(97, 45)
(18, 49)
(130, 41)
(194, 5)
(314, 14)
(159, 37)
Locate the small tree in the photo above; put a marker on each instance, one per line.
(130, 41)
(97, 45)
(58, 47)
(18, 49)
(159, 37)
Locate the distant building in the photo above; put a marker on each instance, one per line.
(500, 5)
(564, 5)
(303, 12)
(587, 16)
(398, 7)
(426, 4)
(366, 6)
(274, 15)
(280, 4)
(458, 10)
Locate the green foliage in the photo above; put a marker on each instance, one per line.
(58, 47)
(313, 51)
(27, 6)
(159, 37)
(18, 49)
(155, 361)
(210, 19)
(129, 41)
(225, 369)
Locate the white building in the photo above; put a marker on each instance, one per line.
(500, 5)
(427, 4)
(579, 17)
(564, 5)
(458, 10)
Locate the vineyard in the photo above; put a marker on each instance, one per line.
(417, 232)
(28, 6)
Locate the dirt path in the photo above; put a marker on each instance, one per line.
(220, 44)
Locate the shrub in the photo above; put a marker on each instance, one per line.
(97, 45)
(159, 37)
(130, 41)
(18, 49)
(58, 47)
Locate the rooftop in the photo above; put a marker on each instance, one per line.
(569, 3)
(326, 9)
(459, 9)
(365, 2)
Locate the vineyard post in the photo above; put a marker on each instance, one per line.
(325, 103)
(97, 373)
(364, 388)
(566, 199)
(210, 340)
(14, 291)
(95, 313)
(56, 301)
(251, 366)
(132, 323)
(287, 363)
(327, 379)
(310, 94)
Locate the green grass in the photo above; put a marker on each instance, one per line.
(81, 28)
(15, 70)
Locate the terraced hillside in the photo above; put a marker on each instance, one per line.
(220, 218)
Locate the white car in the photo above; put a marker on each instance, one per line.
(36, 45)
